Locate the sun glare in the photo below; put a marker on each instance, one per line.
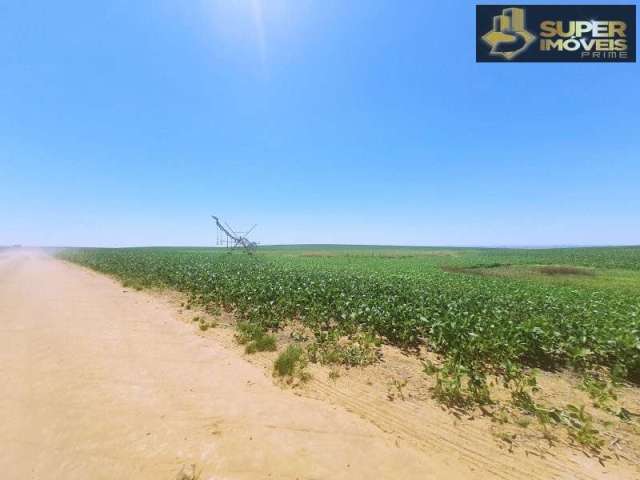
(258, 22)
(259, 26)
(245, 22)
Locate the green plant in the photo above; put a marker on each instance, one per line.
(458, 385)
(263, 343)
(299, 335)
(355, 349)
(290, 362)
(449, 388)
(248, 331)
(255, 338)
(429, 367)
(522, 385)
(204, 324)
(582, 429)
(599, 390)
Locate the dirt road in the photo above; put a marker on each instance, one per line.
(103, 383)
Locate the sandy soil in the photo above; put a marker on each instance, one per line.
(102, 382)
(395, 395)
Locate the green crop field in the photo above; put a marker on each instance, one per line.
(483, 310)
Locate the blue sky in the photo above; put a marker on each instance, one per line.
(367, 121)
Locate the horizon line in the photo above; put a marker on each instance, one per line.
(348, 245)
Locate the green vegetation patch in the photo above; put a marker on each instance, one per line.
(481, 324)
(255, 338)
(290, 363)
(358, 349)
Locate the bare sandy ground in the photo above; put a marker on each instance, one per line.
(100, 383)
(396, 395)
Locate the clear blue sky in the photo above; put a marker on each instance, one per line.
(325, 121)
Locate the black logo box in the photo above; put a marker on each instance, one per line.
(534, 14)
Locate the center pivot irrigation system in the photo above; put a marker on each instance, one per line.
(233, 239)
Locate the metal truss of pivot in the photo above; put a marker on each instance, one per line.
(233, 239)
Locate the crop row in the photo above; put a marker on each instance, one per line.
(467, 318)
